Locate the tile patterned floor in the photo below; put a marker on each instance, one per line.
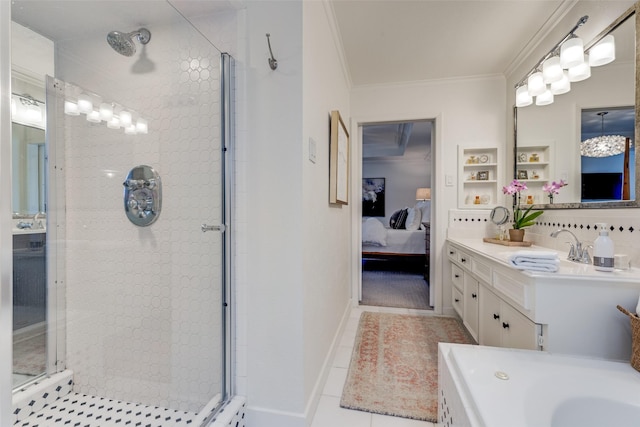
(89, 411)
(329, 412)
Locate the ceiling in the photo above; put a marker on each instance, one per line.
(406, 41)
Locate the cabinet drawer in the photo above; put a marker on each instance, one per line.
(481, 270)
(456, 276)
(452, 253)
(515, 290)
(456, 301)
(465, 260)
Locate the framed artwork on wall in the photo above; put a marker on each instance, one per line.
(373, 196)
(338, 161)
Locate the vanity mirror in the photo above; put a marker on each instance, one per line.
(554, 132)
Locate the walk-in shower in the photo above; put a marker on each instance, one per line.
(123, 42)
(137, 312)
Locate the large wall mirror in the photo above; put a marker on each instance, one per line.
(548, 138)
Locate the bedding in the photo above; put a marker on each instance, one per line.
(378, 239)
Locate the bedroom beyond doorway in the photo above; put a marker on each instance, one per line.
(396, 214)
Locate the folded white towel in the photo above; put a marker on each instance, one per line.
(535, 260)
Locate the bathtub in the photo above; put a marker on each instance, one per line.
(494, 387)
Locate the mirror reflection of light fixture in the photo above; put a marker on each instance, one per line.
(523, 98)
(572, 52)
(26, 110)
(603, 52)
(603, 145)
(545, 98)
(580, 72)
(423, 194)
(561, 86)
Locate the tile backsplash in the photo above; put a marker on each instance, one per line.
(623, 225)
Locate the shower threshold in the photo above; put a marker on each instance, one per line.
(77, 409)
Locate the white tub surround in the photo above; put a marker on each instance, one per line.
(572, 311)
(488, 386)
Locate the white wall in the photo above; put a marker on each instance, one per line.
(295, 264)
(469, 112)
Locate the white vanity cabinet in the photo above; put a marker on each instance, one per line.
(489, 318)
(571, 311)
(501, 325)
(471, 305)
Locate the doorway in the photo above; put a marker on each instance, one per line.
(396, 214)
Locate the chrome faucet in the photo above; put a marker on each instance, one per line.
(576, 253)
(38, 222)
(22, 225)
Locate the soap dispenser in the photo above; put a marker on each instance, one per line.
(603, 250)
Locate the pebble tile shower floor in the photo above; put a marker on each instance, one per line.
(90, 411)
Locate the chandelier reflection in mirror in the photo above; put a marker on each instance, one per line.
(27, 110)
(603, 145)
(567, 62)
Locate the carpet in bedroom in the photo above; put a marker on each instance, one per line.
(395, 289)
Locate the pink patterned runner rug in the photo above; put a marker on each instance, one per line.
(394, 365)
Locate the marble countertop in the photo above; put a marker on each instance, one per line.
(568, 269)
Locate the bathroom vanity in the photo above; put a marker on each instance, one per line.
(571, 311)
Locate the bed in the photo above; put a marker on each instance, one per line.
(399, 246)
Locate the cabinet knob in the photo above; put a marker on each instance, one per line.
(505, 325)
(463, 260)
(474, 296)
(457, 300)
(496, 316)
(451, 252)
(456, 275)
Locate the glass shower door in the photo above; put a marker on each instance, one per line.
(138, 310)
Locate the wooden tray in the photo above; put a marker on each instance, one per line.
(505, 242)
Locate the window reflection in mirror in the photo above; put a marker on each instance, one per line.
(607, 145)
(558, 125)
(28, 169)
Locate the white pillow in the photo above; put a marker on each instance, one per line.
(413, 221)
(374, 233)
(425, 208)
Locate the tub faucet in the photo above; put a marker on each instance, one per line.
(576, 253)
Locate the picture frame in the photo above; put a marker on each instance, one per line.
(523, 174)
(482, 175)
(373, 194)
(338, 161)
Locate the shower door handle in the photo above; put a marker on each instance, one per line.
(221, 228)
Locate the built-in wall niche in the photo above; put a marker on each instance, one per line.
(479, 172)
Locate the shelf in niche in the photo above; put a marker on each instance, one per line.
(532, 163)
(479, 165)
(480, 181)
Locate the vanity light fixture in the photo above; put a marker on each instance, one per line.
(603, 145)
(552, 80)
(85, 104)
(106, 111)
(71, 108)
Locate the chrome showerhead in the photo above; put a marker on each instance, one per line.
(123, 42)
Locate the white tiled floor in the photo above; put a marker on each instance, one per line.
(329, 412)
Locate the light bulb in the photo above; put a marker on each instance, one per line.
(561, 86)
(85, 105)
(33, 113)
(551, 70)
(114, 123)
(580, 72)
(93, 117)
(571, 53)
(142, 126)
(523, 98)
(125, 118)
(106, 111)
(535, 83)
(130, 130)
(603, 52)
(544, 98)
(71, 108)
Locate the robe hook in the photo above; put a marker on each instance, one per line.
(273, 63)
